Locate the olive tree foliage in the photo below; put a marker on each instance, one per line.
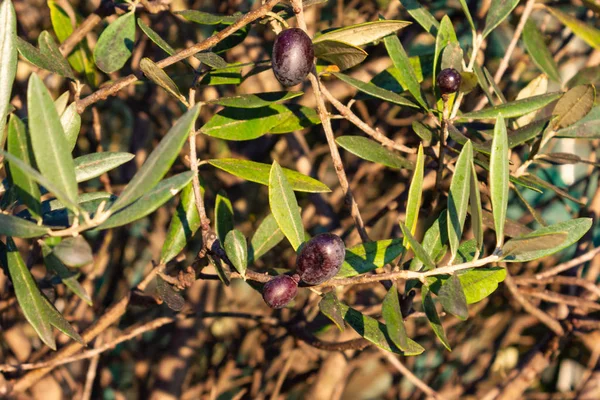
(46, 201)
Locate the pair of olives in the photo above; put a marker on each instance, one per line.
(293, 57)
(318, 261)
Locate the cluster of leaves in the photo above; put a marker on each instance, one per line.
(39, 159)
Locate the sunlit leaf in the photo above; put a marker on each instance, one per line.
(71, 123)
(223, 215)
(161, 78)
(149, 202)
(284, 206)
(330, 306)
(237, 251)
(458, 196)
(183, 226)
(415, 193)
(258, 172)
(255, 100)
(49, 143)
(92, 165)
(580, 28)
(392, 315)
(339, 53)
(421, 15)
(364, 33)
(267, 235)
(369, 256)
(512, 109)
(499, 178)
(375, 91)
(433, 317)
(373, 151)
(401, 61)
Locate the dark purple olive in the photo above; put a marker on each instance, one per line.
(320, 259)
(448, 80)
(280, 290)
(293, 56)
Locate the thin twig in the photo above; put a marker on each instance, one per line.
(558, 298)
(569, 264)
(410, 376)
(347, 113)
(561, 280)
(91, 375)
(546, 319)
(326, 123)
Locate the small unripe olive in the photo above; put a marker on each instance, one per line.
(320, 259)
(293, 56)
(280, 290)
(448, 80)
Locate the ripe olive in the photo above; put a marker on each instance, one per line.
(320, 259)
(448, 80)
(293, 56)
(280, 290)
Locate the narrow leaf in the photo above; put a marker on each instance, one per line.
(499, 10)
(452, 298)
(375, 91)
(267, 235)
(259, 173)
(580, 28)
(475, 209)
(536, 47)
(375, 332)
(434, 241)
(458, 197)
(364, 33)
(184, 225)
(93, 165)
(237, 251)
(477, 283)
(8, 55)
(50, 146)
(574, 230)
(150, 202)
(433, 317)
(513, 109)
(18, 227)
(339, 53)
(392, 315)
(369, 256)
(74, 252)
(532, 243)
(161, 78)
(373, 151)
(159, 161)
(574, 106)
(71, 123)
(421, 15)
(417, 248)
(415, 192)
(401, 61)
(284, 206)
(19, 145)
(499, 178)
(330, 306)
(42, 180)
(223, 215)
(255, 100)
(28, 295)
